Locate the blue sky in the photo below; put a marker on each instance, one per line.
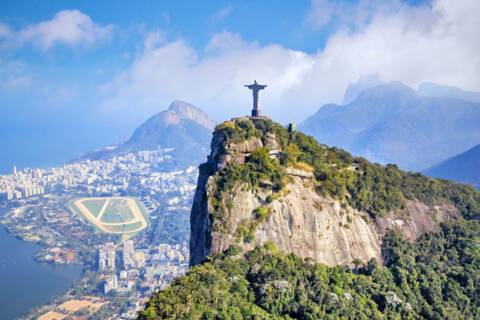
(193, 20)
(77, 75)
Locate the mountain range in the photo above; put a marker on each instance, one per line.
(393, 123)
(430, 89)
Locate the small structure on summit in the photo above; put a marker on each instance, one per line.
(255, 87)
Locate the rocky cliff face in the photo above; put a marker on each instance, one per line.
(296, 217)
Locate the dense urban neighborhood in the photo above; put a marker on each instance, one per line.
(120, 271)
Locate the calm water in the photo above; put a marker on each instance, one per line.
(24, 283)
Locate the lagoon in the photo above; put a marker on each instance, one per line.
(25, 283)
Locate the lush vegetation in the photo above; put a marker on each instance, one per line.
(246, 229)
(171, 227)
(370, 187)
(436, 278)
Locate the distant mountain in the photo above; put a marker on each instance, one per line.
(464, 167)
(363, 83)
(183, 127)
(180, 126)
(392, 123)
(429, 89)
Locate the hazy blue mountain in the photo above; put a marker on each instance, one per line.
(392, 123)
(429, 89)
(363, 83)
(182, 127)
(464, 167)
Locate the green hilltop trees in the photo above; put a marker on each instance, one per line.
(436, 278)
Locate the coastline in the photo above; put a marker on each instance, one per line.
(28, 283)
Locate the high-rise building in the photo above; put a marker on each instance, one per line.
(110, 284)
(128, 254)
(106, 257)
(140, 259)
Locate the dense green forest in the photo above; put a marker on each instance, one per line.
(438, 277)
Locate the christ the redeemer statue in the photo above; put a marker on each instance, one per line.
(255, 87)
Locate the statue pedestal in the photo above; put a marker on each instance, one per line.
(256, 113)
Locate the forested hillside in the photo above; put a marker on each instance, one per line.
(436, 278)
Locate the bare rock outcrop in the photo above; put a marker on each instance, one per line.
(304, 223)
(416, 219)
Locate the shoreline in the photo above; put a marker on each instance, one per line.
(42, 247)
(30, 284)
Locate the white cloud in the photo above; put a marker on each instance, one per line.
(67, 27)
(153, 39)
(437, 43)
(16, 82)
(221, 14)
(5, 31)
(13, 75)
(165, 17)
(349, 14)
(321, 13)
(227, 41)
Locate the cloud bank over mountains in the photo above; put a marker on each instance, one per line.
(437, 42)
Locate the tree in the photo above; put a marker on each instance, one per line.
(291, 154)
(357, 263)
